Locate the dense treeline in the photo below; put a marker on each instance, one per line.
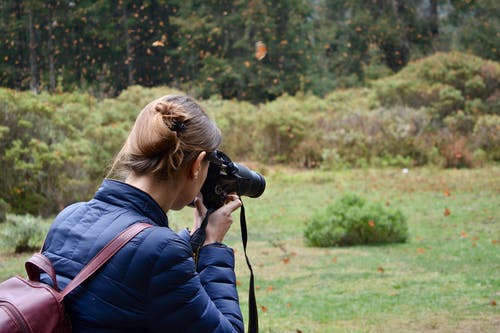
(442, 111)
(209, 47)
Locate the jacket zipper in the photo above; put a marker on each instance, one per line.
(18, 317)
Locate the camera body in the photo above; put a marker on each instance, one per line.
(225, 176)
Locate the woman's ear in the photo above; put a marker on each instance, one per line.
(195, 169)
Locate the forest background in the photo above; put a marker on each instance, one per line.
(311, 84)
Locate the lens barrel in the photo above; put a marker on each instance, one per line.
(250, 183)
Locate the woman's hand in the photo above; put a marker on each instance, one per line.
(219, 221)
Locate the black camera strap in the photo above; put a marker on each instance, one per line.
(253, 318)
(198, 237)
(197, 240)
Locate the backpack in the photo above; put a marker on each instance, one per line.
(28, 305)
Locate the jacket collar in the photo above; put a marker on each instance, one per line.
(124, 195)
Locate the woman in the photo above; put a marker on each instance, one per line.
(152, 284)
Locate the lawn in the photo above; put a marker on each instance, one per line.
(445, 278)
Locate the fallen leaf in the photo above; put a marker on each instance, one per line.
(270, 288)
(493, 302)
(446, 193)
(334, 259)
(263, 308)
(494, 241)
(380, 269)
(420, 250)
(447, 211)
(371, 223)
(463, 234)
(286, 260)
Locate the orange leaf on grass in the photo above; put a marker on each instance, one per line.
(420, 250)
(380, 269)
(447, 211)
(263, 308)
(494, 241)
(286, 260)
(371, 223)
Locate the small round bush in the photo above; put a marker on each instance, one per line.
(353, 221)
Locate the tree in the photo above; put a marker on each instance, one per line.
(476, 24)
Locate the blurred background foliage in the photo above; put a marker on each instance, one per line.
(339, 84)
(441, 111)
(208, 47)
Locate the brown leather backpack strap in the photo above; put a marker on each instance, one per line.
(104, 255)
(38, 262)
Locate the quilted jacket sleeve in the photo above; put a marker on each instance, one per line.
(181, 299)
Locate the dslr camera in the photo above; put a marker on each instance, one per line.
(225, 176)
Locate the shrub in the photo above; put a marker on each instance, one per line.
(486, 136)
(353, 221)
(3, 210)
(231, 117)
(282, 126)
(23, 233)
(443, 81)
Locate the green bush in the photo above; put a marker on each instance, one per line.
(353, 221)
(442, 82)
(283, 126)
(23, 233)
(4, 206)
(486, 136)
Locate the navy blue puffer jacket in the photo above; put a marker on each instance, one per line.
(151, 284)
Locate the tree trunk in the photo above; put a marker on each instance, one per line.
(50, 49)
(433, 18)
(32, 56)
(128, 48)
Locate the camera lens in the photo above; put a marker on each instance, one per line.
(250, 183)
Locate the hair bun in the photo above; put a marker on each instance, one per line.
(165, 108)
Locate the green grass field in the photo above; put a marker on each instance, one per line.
(445, 278)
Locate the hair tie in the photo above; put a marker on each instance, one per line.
(178, 126)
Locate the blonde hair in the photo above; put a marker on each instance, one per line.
(167, 133)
